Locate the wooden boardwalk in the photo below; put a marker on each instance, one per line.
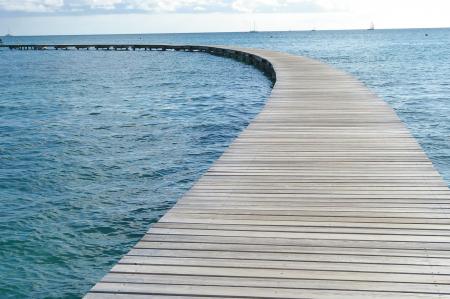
(324, 195)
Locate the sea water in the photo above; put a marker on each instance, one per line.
(95, 146)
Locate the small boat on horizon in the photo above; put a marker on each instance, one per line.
(372, 26)
(253, 30)
(9, 33)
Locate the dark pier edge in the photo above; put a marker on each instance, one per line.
(259, 62)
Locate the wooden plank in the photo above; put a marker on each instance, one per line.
(286, 265)
(274, 283)
(312, 256)
(324, 195)
(339, 251)
(237, 292)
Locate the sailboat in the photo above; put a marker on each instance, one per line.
(253, 30)
(372, 26)
(9, 33)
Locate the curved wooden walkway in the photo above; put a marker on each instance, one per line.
(324, 195)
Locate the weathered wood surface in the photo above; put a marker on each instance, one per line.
(324, 195)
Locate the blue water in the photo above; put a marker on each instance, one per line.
(95, 146)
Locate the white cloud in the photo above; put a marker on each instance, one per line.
(103, 4)
(252, 5)
(160, 6)
(166, 5)
(25, 17)
(318, 13)
(305, 6)
(31, 5)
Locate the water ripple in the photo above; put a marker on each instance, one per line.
(100, 147)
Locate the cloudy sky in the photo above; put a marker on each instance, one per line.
(34, 17)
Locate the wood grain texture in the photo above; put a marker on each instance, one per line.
(324, 195)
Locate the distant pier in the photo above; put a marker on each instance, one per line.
(259, 62)
(324, 195)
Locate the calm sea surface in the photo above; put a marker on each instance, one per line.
(95, 146)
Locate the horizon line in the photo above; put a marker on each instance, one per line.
(218, 32)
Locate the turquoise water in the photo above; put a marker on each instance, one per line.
(95, 146)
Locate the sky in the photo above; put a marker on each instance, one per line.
(47, 17)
